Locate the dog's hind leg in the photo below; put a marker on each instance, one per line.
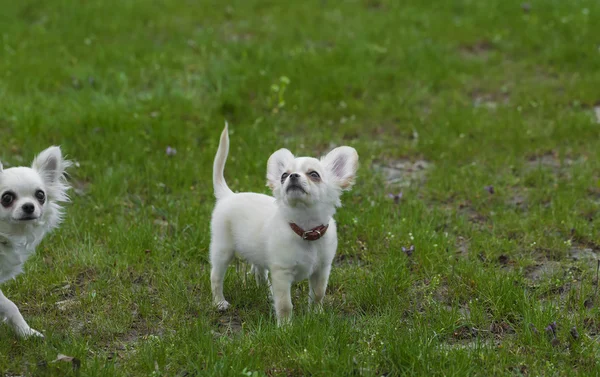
(221, 255)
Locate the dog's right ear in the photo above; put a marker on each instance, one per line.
(276, 166)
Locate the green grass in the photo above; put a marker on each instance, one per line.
(490, 92)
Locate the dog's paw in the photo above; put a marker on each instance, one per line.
(222, 305)
(284, 322)
(28, 332)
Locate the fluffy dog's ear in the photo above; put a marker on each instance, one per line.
(341, 164)
(49, 164)
(1, 168)
(276, 166)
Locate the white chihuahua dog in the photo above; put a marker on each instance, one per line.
(292, 235)
(29, 208)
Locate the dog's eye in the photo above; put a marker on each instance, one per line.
(284, 176)
(40, 196)
(314, 174)
(7, 199)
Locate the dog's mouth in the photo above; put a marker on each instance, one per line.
(293, 187)
(27, 218)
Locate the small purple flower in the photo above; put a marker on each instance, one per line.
(551, 329)
(396, 197)
(408, 251)
(490, 189)
(171, 151)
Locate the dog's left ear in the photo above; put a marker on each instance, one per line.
(276, 166)
(49, 164)
(342, 163)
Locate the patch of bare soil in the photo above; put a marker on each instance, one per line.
(466, 209)
(228, 324)
(543, 270)
(442, 294)
(505, 261)
(488, 99)
(516, 198)
(404, 172)
(465, 332)
(374, 4)
(582, 253)
(479, 50)
(499, 329)
(470, 344)
(462, 246)
(67, 292)
(551, 160)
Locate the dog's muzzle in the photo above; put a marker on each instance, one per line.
(294, 187)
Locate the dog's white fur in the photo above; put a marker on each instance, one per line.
(22, 227)
(256, 226)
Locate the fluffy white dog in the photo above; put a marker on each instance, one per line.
(29, 208)
(292, 235)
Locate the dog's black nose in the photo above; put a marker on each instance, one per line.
(294, 176)
(28, 208)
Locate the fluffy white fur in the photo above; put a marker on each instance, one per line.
(27, 218)
(256, 226)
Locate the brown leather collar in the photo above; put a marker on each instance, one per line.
(312, 234)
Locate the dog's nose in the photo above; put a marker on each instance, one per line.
(28, 208)
(294, 176)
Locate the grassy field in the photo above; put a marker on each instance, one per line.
(481, 113)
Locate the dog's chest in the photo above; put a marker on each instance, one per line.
(12, 258)
(305, 262)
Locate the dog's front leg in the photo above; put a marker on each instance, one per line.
(317, 285)
(281, 285)
(13, 317)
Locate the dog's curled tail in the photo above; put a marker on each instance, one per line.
(219, 184)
